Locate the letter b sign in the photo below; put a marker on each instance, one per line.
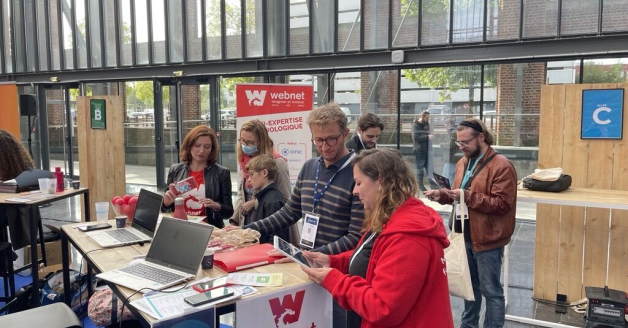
(98, 113)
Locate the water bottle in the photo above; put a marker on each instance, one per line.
(59, 176)
(179, 210)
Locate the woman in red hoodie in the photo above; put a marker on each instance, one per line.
(396, 277)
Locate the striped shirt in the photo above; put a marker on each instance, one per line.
(341, 213)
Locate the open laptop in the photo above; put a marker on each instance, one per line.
(174, 257)
(142, 227)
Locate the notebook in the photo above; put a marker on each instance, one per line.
(142, 227)
(174, 257)
(245, 258)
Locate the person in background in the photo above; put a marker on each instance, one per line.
(421, 135)
(254, 141)
(489, 182)
(368, 131)
(262, 172)
(14, 160)
(450, 150)
(212, 198)
(396, 276)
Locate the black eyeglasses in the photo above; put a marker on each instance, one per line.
(331, 141)
(465, 143)
(248, 143)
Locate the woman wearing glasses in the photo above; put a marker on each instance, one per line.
(212, 197)
(254, 141)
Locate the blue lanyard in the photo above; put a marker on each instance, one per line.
(319, 195)
(469, 172)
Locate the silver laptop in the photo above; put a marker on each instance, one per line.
(142, 227)
(174, 257)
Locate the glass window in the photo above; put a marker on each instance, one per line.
(376, 14)
(299, 27)
(193, 30)
(605, 71)
(323, 23)
(254, 28)
(614, 16)
(539, 18)
(81, 34)
(53, 20)
(276, 27)
(159, 31)
(6, 21)
(213, 29)
(405, 23)
(348, 25)
(31, 35)
(233, 29)
(68, 35)
(579, 16)
(563, 72)
(110, 32)
(139, 132)
(126, 32)
(141, 32)
(175, 31)
(18, 32)
(95, 26)
(435, 22)
(503, 20)
(468, 21)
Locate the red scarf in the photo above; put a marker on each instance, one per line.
(244, 159)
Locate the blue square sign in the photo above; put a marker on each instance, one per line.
(602, 114)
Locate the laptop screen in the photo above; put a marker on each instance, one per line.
(179, 244)
(147, 212)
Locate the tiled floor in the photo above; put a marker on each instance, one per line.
(520, 301)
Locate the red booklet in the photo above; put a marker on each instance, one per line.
(245, 258)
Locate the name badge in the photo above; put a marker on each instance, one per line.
(462, 212)
(310, 226)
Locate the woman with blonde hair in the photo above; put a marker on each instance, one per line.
(396, 276)
(255, 141)
(212, 197)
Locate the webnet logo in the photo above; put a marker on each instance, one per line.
(288, 310)
(256, 97)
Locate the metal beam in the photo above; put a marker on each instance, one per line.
(512, 52)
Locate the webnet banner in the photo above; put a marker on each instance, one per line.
(284, 109)
(304, 306)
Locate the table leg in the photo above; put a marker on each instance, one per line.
(65, 265)
(34, 257)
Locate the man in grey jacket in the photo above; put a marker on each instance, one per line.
(421, 135)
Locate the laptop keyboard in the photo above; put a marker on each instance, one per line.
(151, 273)
(123, 235)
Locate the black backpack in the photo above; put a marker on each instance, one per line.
(25, 296)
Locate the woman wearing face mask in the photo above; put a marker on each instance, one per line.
(254, 141)
(212, 197)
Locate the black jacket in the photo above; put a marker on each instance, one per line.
(269, 201)
(420, 136)
(355, 144)
(217, 188)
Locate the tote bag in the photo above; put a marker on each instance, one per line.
(458, 275)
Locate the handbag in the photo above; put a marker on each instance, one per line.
(100, 308)
(563, 182)
(458, 275)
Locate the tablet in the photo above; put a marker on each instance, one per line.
(294, 253)
(442, 181)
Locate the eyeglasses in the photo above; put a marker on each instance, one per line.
(464, 144)
(330, 141)
(248, 143)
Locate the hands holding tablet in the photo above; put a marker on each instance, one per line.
(317, 275)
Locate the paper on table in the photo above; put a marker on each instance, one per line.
(257, 279)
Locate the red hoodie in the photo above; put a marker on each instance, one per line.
(406, 280)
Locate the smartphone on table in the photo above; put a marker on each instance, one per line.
(212, 284)
(209, 296)
(95, 227)
(294, 253)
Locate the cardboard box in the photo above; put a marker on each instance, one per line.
(53, 253)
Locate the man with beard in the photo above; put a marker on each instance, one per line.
(368, 131)
(489, 182)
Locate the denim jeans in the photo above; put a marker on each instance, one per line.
(485, 268)
(421, 166)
